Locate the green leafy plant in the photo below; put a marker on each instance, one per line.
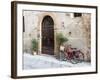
(34, 45)
(61, 39)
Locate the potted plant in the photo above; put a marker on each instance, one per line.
(61, 39)
(34, 46)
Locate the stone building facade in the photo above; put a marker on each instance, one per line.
(75, 26)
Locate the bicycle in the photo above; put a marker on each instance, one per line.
(76, 56)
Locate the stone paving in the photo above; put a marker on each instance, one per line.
(46, 61)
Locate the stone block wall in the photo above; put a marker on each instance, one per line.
(76, 29)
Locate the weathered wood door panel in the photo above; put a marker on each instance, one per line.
(48, 35)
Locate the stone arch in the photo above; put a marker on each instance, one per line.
(54, 17)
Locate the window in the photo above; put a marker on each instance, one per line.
(77, 14)
(23, 25)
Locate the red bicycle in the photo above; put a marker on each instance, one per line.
(74, 56)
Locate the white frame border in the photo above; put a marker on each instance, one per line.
(21, 72)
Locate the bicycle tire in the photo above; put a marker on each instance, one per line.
(76, 59)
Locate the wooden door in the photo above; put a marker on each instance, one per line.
(48, 35)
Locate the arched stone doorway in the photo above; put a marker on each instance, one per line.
(47, 32)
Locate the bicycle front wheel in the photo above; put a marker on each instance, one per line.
(79, 57)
